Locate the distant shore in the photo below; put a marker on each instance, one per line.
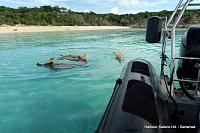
(25, 29)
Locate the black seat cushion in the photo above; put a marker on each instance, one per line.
(140, 67)
(139, 100)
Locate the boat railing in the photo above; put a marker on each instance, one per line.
(197, 82)
(187, 58)
(170, 26)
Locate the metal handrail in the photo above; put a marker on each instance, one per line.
(187, 58)
(186, 80)
(194, 4)
(184, 4)
(174, 13)
(198, 85)
(170, 26)
(173, 34)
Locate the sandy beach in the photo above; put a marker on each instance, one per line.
(21, 29)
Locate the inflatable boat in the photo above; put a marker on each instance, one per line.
(142, 101)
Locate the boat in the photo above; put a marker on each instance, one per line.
(144, 102)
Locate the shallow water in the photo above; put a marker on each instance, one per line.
(69, 100)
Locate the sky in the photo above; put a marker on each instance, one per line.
(98, 6)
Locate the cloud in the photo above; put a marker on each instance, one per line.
(63, 0)
(140, 3)
(60, 3)
(115, 10)
(11, 1)
(44, 2)
(86, 10)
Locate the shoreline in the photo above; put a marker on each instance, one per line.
(30, 29)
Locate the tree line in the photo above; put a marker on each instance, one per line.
(59, 16)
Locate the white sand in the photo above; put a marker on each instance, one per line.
(20, 29)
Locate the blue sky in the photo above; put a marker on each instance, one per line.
(99, 6)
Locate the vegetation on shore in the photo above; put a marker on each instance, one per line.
(56, 16)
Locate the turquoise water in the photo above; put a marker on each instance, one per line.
(69, 100)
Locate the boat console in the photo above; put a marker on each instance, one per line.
(143, 102)
(190, 48)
